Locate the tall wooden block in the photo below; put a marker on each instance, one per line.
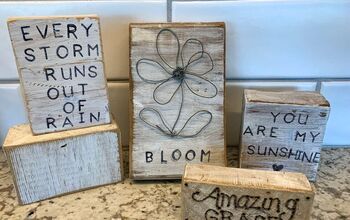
(61, 69)
(49, 165)
(211, 192)
(177, 86)
(283, 131)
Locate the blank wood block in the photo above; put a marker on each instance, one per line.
(49, 165)
(283, 131)
(60, 63)
(177, 89)
(212, 192)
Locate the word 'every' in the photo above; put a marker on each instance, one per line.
(58, 31)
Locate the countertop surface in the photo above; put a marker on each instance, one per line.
(161, 199)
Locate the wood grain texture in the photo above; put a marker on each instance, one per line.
(170, 154)
(283, 131)
(19, 135)
(72, 161)
(61, 69)
(211, 192)
(287, 97)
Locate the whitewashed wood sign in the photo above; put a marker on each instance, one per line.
(48, 165)
(283, 131)
(60, 63)
(211, 192)
(177, 101)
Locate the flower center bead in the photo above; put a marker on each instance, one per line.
(179, 73)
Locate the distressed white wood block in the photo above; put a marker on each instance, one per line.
(49, 165)
(60, 63)
(177, 97)
(234, 97)
(211, 192)
(283, 131)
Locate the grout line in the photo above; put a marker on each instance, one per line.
(169, 10)
(289, 79)
(323, 147)
(318, 86)
(317, 80)
(117, 80)
(204, 0)
(9, 81)
(199, 0)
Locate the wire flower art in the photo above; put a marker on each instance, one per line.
(182, 75)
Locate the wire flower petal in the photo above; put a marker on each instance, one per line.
(157, 121)
(165, 51)
(165, 91)
(157, 72)
(195, 124)
(190, 47)
(200, 63)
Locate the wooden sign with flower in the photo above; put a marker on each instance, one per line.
(177, 85)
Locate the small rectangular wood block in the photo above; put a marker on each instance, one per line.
(212, 192)
(283, 131)
(49, 165)
(177, 77)
(60, 64)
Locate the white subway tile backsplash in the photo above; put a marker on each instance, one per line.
(279, 39)
(115, 18)
(12, 108)
(338, 127)
(234, 96)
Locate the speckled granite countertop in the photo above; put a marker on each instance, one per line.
(161, 199)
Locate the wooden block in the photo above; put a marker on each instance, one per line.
(177, 97)
(61, 69)
(211, 192)
(49, 165)
(283, 131)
